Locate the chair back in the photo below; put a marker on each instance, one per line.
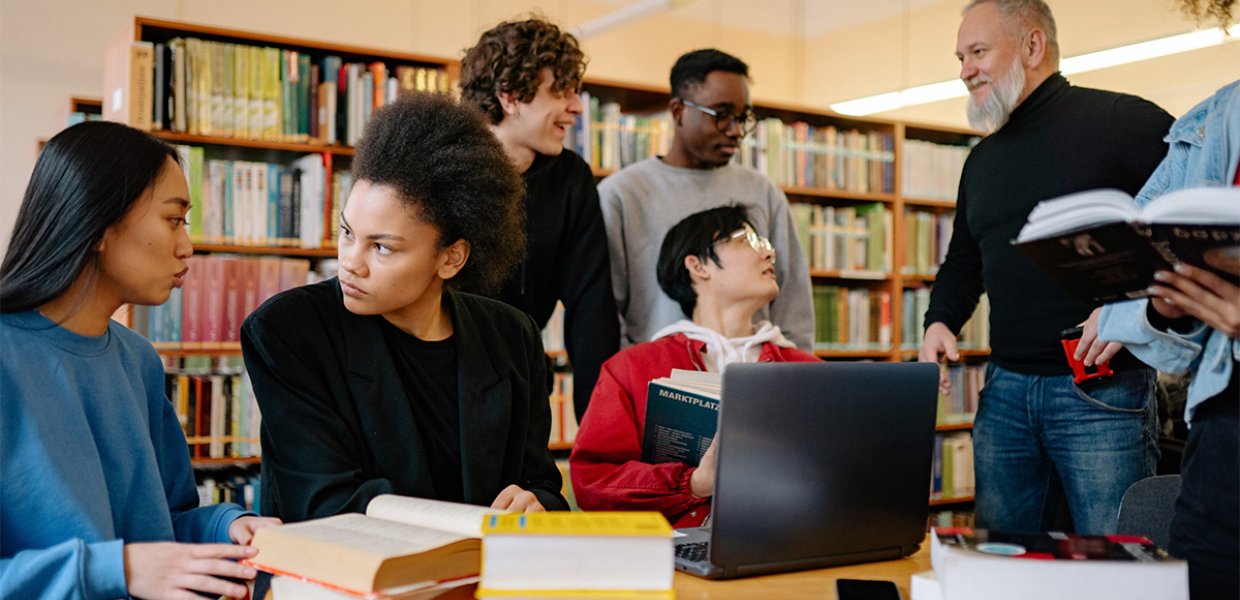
(1147, 508)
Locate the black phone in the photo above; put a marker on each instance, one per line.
(866, 589)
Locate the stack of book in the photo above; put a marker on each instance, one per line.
(976, 564)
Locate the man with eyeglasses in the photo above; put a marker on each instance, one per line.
(711, 111)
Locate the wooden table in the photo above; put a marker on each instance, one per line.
(818, 584)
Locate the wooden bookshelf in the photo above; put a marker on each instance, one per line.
(239, 142)
(265, 250)
(950, 501)
(954, 427)
(219, 463)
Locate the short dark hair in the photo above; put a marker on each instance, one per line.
(695, 235)
(450, 168)
(509, 58)
(86, 179)
(692, 68)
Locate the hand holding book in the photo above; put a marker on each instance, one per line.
(1193, 292)
(1102, 248)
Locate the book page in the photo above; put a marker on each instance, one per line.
(461, 519)
(1195, 205)
(371, 535)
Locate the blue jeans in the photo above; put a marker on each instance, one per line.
(1038, 438)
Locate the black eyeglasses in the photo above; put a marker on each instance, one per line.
(723, 122)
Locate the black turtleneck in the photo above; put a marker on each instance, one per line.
(1061, 139)
(566, 259)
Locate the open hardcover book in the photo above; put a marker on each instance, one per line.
(682, 414)
(401, 544)
(1102, 248)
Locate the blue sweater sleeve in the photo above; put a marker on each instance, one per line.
(71, 569)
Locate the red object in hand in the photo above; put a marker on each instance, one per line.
(1081, 374)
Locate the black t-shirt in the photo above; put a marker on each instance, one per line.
(428, 371)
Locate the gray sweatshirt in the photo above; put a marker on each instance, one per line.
(643, 201)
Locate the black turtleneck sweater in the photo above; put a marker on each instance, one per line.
(566, 260)
(1061, 139)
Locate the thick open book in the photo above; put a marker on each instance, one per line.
(976, 564)
(682, 414)
(1102, 248)
(400, 542)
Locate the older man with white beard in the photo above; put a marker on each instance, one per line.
(1039, 439)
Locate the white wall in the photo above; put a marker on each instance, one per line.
(51, 49)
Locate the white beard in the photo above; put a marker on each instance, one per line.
(990, 114)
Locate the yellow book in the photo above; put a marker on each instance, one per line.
(563, 554)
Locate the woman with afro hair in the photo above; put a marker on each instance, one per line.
(387, 379)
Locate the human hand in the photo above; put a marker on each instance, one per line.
(241, 531)
(938, 342)
(1195, 292)
(176, 571)
(1091, 349)
(515, 499)
(702, 481)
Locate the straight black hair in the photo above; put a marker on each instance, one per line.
(86, 180)
(695, 235)
(693, 67)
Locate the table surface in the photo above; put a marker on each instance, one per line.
(819, 583)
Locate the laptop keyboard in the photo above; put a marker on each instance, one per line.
(693, 551)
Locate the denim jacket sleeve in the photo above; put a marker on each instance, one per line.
(1204, 147)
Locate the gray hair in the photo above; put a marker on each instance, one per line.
(1019, 14)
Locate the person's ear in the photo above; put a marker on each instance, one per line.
(697, 269)
(509, 102)
(1033, 50)
(452, 259)
(676, 108)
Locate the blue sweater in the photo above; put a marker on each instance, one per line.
(92, 457)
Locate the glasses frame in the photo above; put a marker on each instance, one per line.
(746, 121)
(759, 243)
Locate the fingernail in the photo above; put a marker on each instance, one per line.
(1160, 275)
(1181, 268)
(1153, 291)
(250, 573)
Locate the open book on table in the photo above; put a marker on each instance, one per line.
(399, 545)
(682, 414)
(1102, 248)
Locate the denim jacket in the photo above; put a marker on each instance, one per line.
(1205, 146)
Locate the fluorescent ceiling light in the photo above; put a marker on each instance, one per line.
(629, 14)
(1103, 59)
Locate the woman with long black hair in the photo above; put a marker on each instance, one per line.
(99, 498)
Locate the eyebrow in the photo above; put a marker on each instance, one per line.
(373, 236)
(180, 201)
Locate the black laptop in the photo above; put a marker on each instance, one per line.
(818, 464)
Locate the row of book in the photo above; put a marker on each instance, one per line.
(851, 318)
(218, 292)
(264, 204)
(241, 488)
(960, 404)
(218, 412)
(952, 469)
(926, 236)
(608, 139)
(801, 155)
(563, 416)
(214, 88)
(932, 170)
(975, 335)
(852, 240)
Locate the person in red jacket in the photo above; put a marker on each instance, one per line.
(721, 272)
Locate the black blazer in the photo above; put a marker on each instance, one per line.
(337, 429)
